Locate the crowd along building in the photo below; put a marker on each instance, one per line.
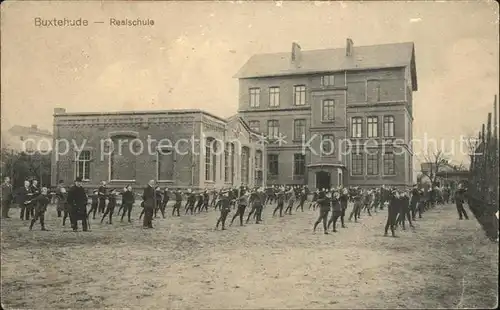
(339, 116)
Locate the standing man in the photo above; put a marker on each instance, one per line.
(77, 201)
(178, 202)
(459, 200)
(102, 192)
(344, 199)
(128, 200)
(149, 197)
(225, 208)
(35, 191)
(6, 197)
(393, 211)
(415, 198)
(23, 195)
(290, 195)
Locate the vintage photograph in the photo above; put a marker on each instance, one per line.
(249, 155)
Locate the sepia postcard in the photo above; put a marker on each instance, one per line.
(249, 154)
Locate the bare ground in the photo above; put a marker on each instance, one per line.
(183, 263)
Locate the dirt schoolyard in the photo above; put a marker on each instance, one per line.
(184, 264)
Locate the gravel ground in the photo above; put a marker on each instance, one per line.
(184, 264)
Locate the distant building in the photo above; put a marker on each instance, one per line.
(354, 94)
(446, 175)
(22, 138)
(135, 147)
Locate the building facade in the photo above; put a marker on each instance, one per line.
(178, 148)
(27, 139)
(338, 116)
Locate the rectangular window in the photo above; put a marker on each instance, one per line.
(372, 126)
(357, 164)
(373, 91)
(388, 126)
(327, 145)
(299, 164)
(165, 159)
(273, 164)
(328, 110)
(254, 125)
(82, 165)
(254, 97)
(356, 127)
(273, 128)
(274, 96)
(372, 163)
(299, 130)
(299, 95)
(389, 164)
(328, 80)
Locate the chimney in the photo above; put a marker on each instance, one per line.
(296, 54)
(348, 48)
(34, 127)
(59, 111)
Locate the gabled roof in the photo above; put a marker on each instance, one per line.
(330, 60)
(18, 130)
(242, 121)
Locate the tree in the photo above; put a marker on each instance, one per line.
(436, 161)
(20, 166)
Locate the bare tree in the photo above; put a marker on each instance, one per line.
(472, 144)
(436, 161)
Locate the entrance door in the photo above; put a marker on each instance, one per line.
(322, 180)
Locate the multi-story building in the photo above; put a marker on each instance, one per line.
(178, 148)
(338, 116)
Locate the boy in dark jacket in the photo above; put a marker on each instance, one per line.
(40, 203)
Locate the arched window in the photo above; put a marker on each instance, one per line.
(228, 162)
(245, 165)
(165, 163)
(122, 161)
(210, 159)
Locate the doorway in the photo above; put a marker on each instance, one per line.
(323, 180)
(340, 181)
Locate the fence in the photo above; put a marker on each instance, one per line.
(483, 178)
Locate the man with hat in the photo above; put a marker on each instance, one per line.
(149, 198)
(393, 211)
(459, 201)
(77, 202)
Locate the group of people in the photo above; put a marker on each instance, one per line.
(402, 205)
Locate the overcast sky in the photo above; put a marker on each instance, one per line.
(187, 59)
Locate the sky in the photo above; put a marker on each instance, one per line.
(188, 58)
